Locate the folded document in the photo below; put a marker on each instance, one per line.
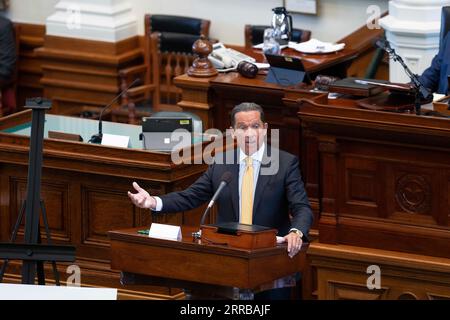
(316, 46)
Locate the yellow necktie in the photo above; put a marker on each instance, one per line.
(247, 193)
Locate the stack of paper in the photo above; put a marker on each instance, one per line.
(261, 46)
(316, 46)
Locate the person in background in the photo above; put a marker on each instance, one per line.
(435, 77)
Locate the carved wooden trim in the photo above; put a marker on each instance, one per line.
(413, 194)
(328, 145)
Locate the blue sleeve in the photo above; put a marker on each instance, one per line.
(431, 76)
(194, 196)
(302, 216)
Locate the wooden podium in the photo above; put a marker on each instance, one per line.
(210, 271)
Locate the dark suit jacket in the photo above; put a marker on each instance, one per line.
(276, 195)
(435, 77)
(7, 50)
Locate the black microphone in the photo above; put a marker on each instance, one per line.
(383, 44)
(420, 89)
(226, 179)
(97, 138)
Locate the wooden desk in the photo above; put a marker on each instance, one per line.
(197, 93)
(334, 63)
(84, 188)
(193, 265)
(385, 177)
(342, 274)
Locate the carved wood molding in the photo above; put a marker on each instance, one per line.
(328, 145)
(413, 194)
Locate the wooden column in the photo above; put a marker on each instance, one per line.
(328, 149)
(87, 43)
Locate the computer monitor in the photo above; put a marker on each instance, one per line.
(167, 131)
(286, 70)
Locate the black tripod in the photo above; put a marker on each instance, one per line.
(33, 253)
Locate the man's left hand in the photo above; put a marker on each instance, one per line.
(294, 242)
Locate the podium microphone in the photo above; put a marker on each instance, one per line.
(383, 44)
(97, 138)
(226, 179)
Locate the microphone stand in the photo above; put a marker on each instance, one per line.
(419, 88)
(225, 180)
(198, 235)
(97, 138)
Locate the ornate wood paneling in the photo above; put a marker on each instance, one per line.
(348, 290)
(384, 177)
(84, 188)
(56, 202)
(342, 273)
(104, 210)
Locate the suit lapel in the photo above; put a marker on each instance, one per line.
(263, 181)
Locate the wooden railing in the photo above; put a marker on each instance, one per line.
(362, 41)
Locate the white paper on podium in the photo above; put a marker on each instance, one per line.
(112, 140)
(165, 231)
(316, 46)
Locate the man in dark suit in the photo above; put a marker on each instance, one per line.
(435, 77)
(266, 186)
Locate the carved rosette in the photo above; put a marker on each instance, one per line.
(413, 194)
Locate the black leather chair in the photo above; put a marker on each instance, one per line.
(445, 22)
(254, 34)
(177, 33)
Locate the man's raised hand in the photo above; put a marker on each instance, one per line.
(142, 198)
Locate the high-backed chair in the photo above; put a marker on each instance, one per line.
(8, 93)
(445, 22)
(254, 34)
(167, 53)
